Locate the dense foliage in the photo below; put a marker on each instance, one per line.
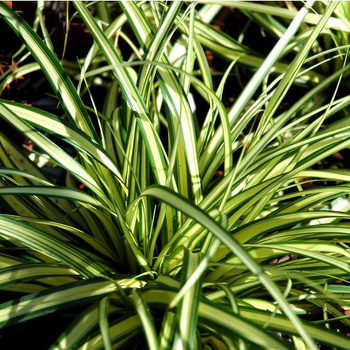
(196, 209)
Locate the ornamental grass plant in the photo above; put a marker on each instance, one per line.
(189, 216)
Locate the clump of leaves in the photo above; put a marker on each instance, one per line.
(157, 246)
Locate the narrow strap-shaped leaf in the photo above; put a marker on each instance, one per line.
(282, 89)
(248, 232)
(187, 315)
(34, 305)
(21, 71)
(167, 331)
(146, 319)
(171, 88)
(57, 77)
(171, 198)
(131, 94)
(51, 246)
(251, 321)
(70, 234)
(51, 149)
(254, 83)
(229, 49)
(27, 272)
(53, 125)
(103, 321)
(9, 152)
(82, 324)
(310, 18)
(222, 321)
(121, 332)
(310, 250)
(52, 191)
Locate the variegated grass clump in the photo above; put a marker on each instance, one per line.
(161, 252)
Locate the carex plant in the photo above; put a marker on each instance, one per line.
(182, 223)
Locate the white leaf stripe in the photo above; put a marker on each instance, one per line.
(71, 134)
(170, 85)
(52, 191)
(52, 246)
(52, 150)
(131, 93)
(59, 297)
(165, 195)
(250, 317)
(27, 272)
(57, 77)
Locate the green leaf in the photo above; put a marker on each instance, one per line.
(51, 149)
(132, 95)
(55, 74)
(146, 319)
(202, 218)
(34, 305)
(50, 246)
